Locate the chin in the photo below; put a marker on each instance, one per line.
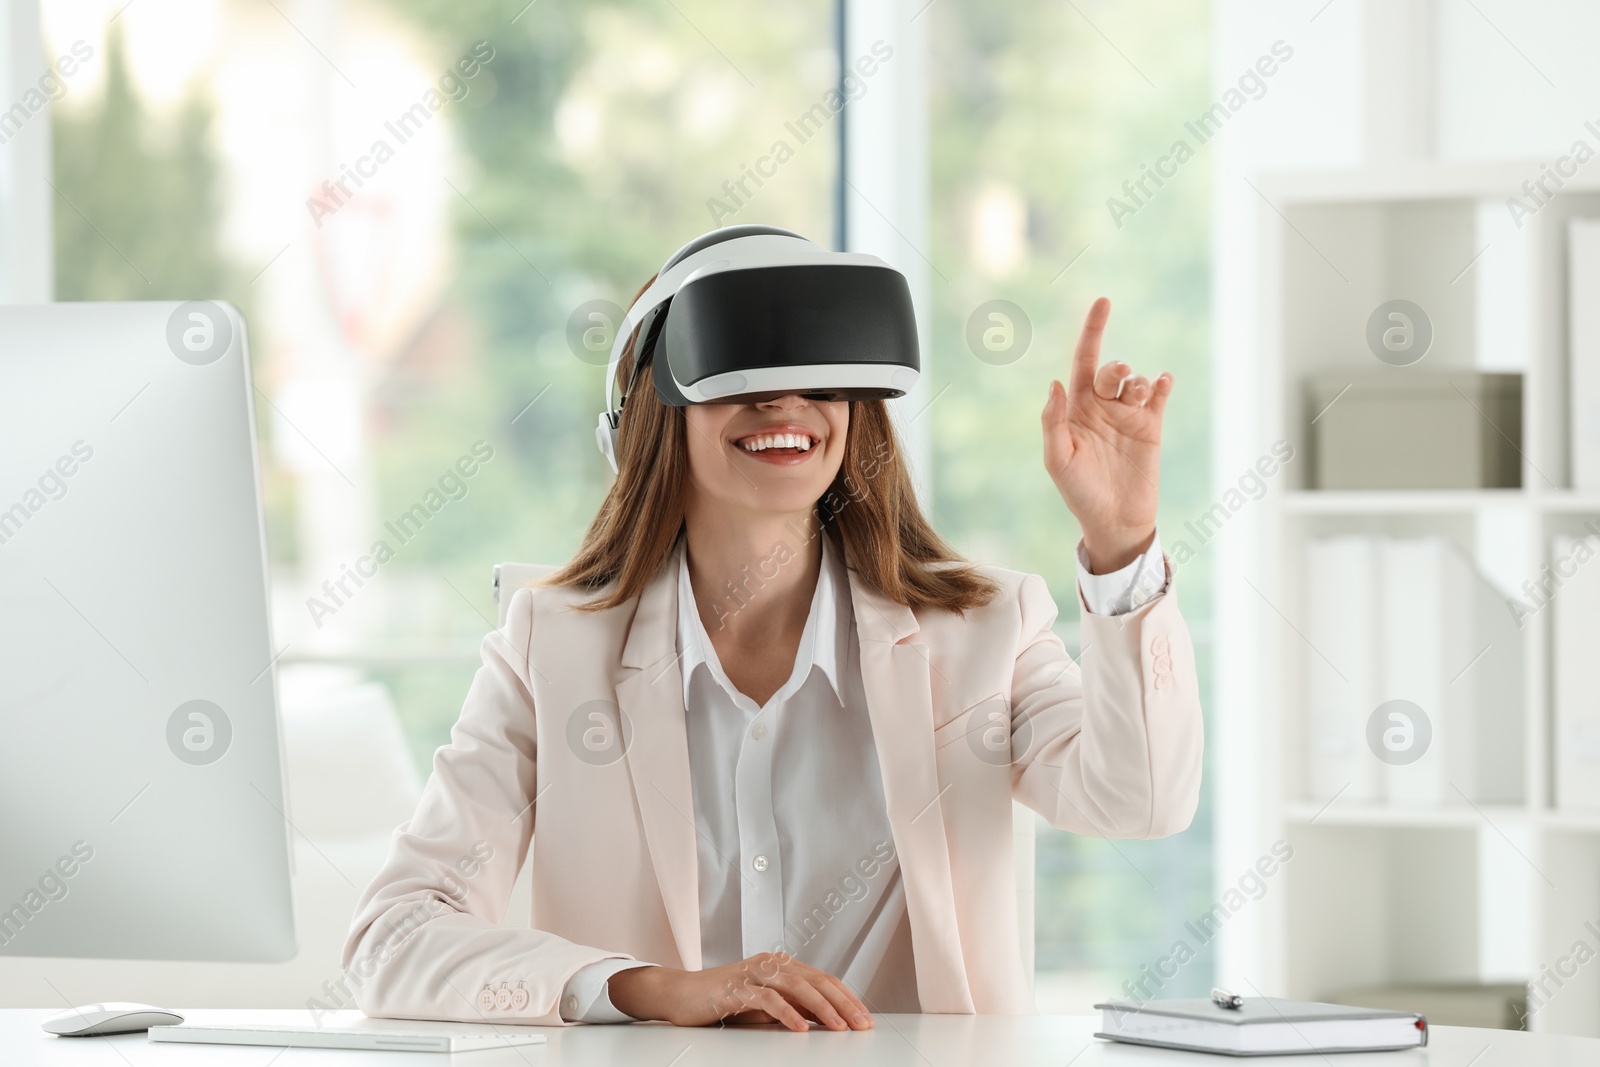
(786, 499)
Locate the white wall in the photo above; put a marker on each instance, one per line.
(26, 260)
(1495, 101)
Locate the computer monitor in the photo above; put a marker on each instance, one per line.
(142, 799)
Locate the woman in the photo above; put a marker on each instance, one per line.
(766, 729)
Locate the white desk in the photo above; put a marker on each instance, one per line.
(898, 1040)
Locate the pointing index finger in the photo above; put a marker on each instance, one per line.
(1086, 360)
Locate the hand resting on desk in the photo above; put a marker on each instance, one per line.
(770, 987)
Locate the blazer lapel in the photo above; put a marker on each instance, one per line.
(649, 692)
(895, 673)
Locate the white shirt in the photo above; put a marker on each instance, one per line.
(795, 851)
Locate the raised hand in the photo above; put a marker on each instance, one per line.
(1102, 447)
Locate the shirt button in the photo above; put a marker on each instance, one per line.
(569, 1008)
(758, 731)
(759, 863)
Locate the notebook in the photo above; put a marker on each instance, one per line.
(1262, 1026)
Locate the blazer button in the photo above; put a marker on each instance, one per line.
(486, 999)
(1163, 680)
(519, 998)
(1162, 664)
(1158, 645)
(502, 999)
(569, 1008)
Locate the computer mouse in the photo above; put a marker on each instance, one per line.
(92, 1020)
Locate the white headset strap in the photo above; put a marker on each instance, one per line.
(659, 293)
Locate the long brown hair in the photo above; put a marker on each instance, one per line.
(870, 510)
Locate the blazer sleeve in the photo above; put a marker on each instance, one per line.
(426, 940)
(1111, 746)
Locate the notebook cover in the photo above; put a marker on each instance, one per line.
(1257, 1010)
(1279, 1052)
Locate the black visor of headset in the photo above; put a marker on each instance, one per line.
(748, 313)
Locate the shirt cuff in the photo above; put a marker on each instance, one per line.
(586, 998)
(1125, 590)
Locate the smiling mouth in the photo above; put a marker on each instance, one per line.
(782, 444)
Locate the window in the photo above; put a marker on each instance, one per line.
(418, 206)
(1038, 115)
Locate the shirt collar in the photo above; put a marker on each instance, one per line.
(821, 643)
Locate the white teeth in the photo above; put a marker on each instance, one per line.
(799, 442)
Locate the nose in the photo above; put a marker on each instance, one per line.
(791, 402)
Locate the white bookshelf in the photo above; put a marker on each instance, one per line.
(1491, 891)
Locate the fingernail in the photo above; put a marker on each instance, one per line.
(861, 1020)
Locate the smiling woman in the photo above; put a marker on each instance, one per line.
(713, 772)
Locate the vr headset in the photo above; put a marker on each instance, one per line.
(748, 313)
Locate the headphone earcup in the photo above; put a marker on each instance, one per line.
(605, 437)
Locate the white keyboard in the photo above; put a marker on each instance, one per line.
(412, 1038)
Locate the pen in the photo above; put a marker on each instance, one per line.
(1224, 999)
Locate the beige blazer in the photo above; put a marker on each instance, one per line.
(1110, 746)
